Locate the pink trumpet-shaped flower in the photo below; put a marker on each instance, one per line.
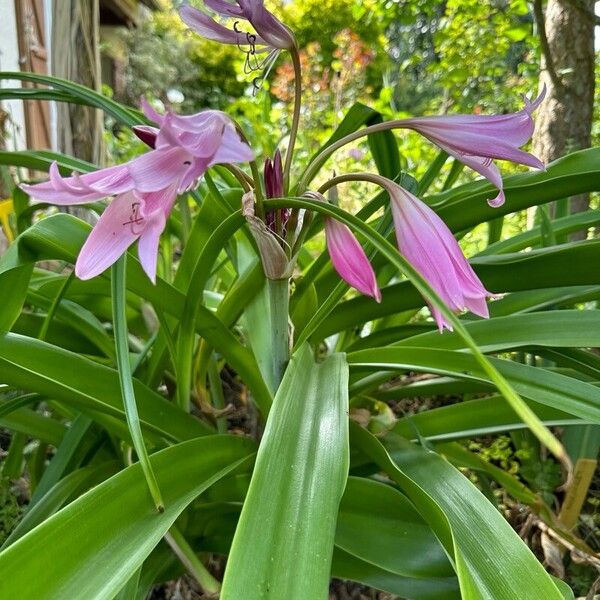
(184, 148)
(350, 260)
(270, 31)
(145, 188)
(478, 139)
(129, 217)
(427, 243)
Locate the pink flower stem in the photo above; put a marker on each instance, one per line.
(295, 118)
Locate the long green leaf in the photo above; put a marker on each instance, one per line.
(473, 418)
(545, 387)
(94, 545)
(491, 560)
(118, 280)
(284, 541)
(81, 93)
(39, 367)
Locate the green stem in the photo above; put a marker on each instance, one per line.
(279, 299)
(258, 191)
(185, 553)
(216, 392)
(118, 282)
(54, 306)
(295, 118)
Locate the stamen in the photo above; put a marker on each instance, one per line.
(135, 218)
(252, 63)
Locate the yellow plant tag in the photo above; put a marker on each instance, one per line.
(6, 209)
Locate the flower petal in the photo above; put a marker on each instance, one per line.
(149, 111)
(211, 30)
(81, 189)
(224, 8)
(269, 27)
(148, 244)
(513, 128)
(158, 169)
(425, 240)
(232, 149)
(116, 230)
(350, 260)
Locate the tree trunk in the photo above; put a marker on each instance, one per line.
(76, 56)
(564, 120)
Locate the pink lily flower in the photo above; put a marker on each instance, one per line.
(270, 31)
(427, 243)
(349, 259)
(129, 217)
(185, 147)
(145, 188)
(478, 139)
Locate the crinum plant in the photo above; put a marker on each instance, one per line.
(151, 470)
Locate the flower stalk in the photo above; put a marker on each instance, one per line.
(279, 302)
(295, 117)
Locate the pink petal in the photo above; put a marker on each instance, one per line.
(158, 169)
(196, 169)
(475, 144)
(224, 8)
(204, 143)
(161, 202)
(514, 128)
(421, 245)
(232, 149)
(116, 230)
(81, 189)
(350, 260)
(148, 244)
(149, 111)
(197, 122)
(425, 240)
(211, 30)
(271, 29)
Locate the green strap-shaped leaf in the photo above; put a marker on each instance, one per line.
(472, 418)
(37, 366)
(92, 547)
(578, 328)
(567, 394)
(491, 560)
(17, 281)
(283, 544)
(81, 93)
(40, 160)
(378, 524)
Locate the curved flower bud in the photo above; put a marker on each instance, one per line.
(427, 243)
(270, 31)
(476, 140)
(349, 259)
